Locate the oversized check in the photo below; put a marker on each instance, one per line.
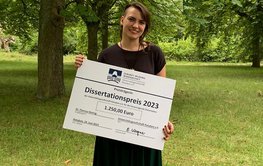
(120, 104)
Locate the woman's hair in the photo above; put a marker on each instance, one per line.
(146, 16)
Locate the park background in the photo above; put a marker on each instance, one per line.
(213, 49)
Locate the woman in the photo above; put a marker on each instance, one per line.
(132, 53)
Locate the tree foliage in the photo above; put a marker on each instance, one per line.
(233, 20)
(19, 17)
(167, 20)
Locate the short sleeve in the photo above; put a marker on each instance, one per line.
(159, 59)
(101, 57)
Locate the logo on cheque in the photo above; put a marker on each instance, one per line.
(114, 75)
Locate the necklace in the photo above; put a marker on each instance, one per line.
(130, 63)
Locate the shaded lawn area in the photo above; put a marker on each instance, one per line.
(217, 112)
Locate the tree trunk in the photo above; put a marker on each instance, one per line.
(256, 56)
(93, 40)
(50, 53)
(105, 31)
(200, 44)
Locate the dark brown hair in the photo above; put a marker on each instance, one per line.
(146, 16)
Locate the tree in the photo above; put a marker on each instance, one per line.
(244, 19)
(167, 22)
(251, 14)
(93, 13)
(19, 17)
(50, 53)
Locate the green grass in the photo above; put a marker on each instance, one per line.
(217, 112)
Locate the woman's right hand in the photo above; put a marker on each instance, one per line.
(79, 60)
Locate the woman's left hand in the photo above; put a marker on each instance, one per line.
(168, 130)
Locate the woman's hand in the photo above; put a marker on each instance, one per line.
(79, 60)
(168, 130)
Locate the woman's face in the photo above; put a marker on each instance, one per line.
(133, 24)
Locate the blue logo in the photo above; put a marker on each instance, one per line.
(114, 75)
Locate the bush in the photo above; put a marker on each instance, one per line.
(216, 50)
(182, 50)
(27, 46)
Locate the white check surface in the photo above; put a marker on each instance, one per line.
(120, 104)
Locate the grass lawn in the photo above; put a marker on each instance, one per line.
(217, 112)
